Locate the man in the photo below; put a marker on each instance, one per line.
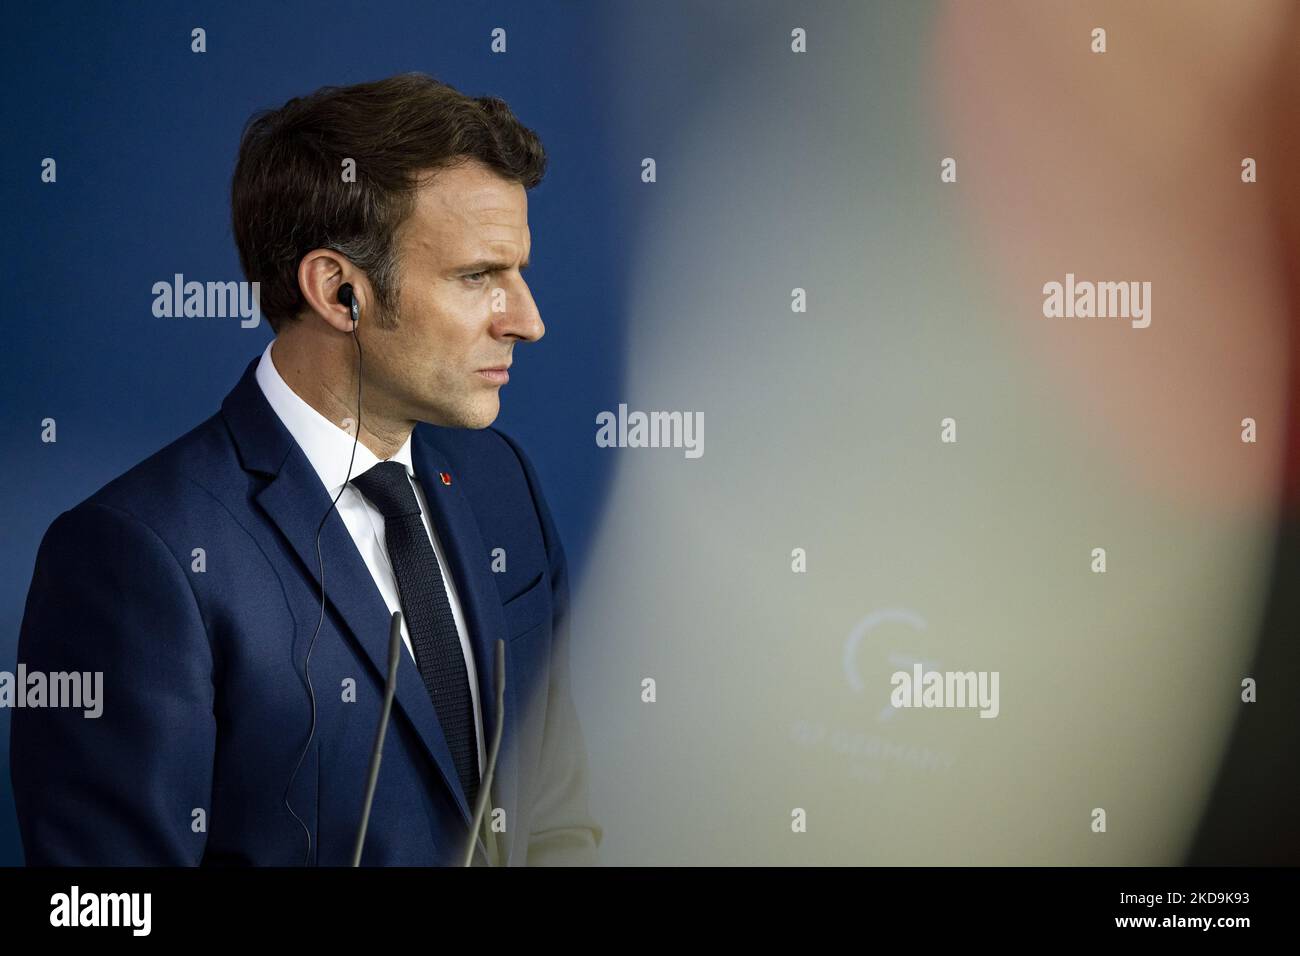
(238, 716)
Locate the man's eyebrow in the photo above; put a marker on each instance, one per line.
(491, 265)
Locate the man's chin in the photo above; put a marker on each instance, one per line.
(479, 415)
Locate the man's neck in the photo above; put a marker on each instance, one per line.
(324, 380)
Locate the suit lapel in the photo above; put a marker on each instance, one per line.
(352, 592)
(294, 500)
(458, 531)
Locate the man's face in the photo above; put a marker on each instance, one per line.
(462, 302)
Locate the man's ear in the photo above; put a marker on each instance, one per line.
(320, 273)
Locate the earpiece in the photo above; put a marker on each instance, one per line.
(347, 298)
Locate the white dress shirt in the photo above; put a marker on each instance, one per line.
(329, 449)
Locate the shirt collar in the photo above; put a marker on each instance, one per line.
(327, 446)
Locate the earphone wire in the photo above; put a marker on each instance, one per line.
(320, 563)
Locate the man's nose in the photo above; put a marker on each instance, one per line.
(521, 317)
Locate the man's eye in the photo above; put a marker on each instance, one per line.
(471, 276)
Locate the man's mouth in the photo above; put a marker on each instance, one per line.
(497, 374)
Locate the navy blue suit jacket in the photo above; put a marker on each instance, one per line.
(205, 705)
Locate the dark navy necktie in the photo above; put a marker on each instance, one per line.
(429, 620)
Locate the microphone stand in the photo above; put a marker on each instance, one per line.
(376, 753)
(390, 688)
(485, 787)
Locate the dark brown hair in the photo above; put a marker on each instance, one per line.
(289, 196)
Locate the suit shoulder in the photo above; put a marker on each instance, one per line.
(182, 469)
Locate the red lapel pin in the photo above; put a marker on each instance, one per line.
(445, 476)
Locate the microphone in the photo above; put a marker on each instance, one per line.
(485, 787)
(377, 752)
